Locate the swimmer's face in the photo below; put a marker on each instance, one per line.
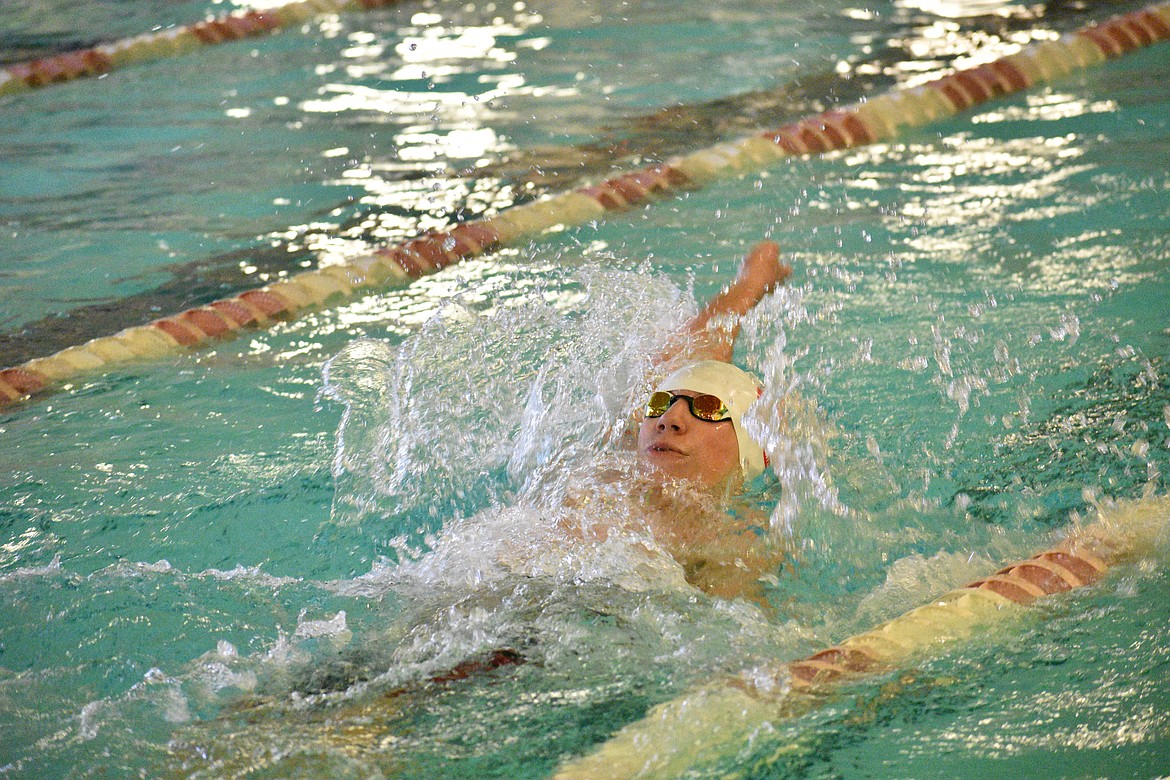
(681, 446)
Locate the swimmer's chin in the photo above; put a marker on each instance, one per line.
(665, 462)
(668, 465)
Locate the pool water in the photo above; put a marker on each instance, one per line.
(255, 559)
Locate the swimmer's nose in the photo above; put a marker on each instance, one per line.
(676, 418)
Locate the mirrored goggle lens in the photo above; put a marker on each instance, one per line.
(708, 407)
(658, 404)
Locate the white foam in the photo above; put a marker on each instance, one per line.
(138, 568)
(249, 574)
(51, 569)
(333, 627)
(916, 579)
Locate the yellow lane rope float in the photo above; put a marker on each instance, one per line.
(721, 718)
(866, 122)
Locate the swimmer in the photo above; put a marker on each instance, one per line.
(693, 455)
(708, 446)
(673, 501)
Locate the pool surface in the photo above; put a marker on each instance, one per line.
(264, 557)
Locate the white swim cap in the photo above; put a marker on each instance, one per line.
(738, 390)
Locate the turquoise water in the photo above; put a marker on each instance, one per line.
(225, 563)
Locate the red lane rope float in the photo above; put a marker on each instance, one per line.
(866, 122)
(234, 26)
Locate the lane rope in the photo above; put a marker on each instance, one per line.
(954, 615)
(722, 718)
(103, 58)
(868, 121)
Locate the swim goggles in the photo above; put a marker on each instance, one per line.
(703, 407)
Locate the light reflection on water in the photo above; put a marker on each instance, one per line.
(948, 9)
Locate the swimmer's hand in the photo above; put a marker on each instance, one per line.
(762, 271)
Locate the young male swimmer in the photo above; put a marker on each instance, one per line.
(702, 440)
(693, 454)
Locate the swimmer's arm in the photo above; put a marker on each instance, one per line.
(711, 334)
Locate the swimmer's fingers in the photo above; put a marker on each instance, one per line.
(762, 268)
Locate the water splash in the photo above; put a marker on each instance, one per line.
(493, 406)
(486, 403)
(787, 420)
(489, 446)
(51, 569)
